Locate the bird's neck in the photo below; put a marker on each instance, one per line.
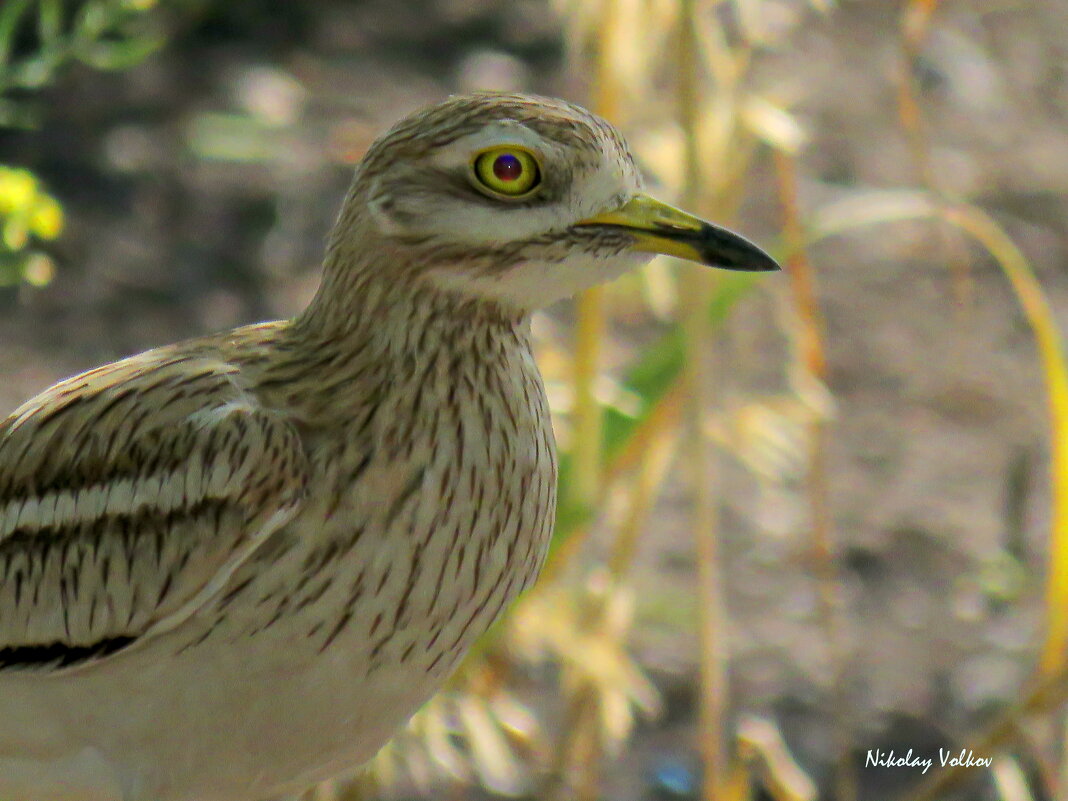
(345, 349)
(369, 292)
(359, 318)
(402, 319)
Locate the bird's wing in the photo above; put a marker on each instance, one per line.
(128, 496)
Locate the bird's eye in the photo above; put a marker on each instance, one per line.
(507, 171)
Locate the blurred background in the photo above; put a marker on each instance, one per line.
(804, 518)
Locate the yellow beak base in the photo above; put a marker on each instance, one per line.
(660, 228)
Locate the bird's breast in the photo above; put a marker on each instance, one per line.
(406, 556)
(428, 511)
(440, 514)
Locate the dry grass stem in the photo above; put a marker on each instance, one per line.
(915, 27)
(813, 363)
(760, 742)
(712, 634)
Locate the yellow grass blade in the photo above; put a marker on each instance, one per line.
(1039, 315)
(712, 639)
(888, 206)
(813, 363)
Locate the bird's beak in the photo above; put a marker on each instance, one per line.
(660, 228)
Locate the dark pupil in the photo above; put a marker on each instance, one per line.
(507, 167)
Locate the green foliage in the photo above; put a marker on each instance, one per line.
(37, 39)
(658, 369)
(40, 37)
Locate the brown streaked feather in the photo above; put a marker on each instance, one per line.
(128, 495)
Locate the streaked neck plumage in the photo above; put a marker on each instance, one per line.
(368, 329)
(372, 287)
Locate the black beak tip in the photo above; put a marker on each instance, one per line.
(731, 251)
(761, 262)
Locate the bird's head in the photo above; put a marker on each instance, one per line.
(516, 199)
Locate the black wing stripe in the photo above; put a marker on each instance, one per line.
(58, 654)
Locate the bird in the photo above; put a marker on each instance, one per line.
(234, 566)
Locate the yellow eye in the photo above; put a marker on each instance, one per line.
(507, 171)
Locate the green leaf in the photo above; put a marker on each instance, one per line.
(120, 55)
(656, 371)
(35, 73)
(95, 18)
(49, 21)
(232, 137)
(11, 12)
